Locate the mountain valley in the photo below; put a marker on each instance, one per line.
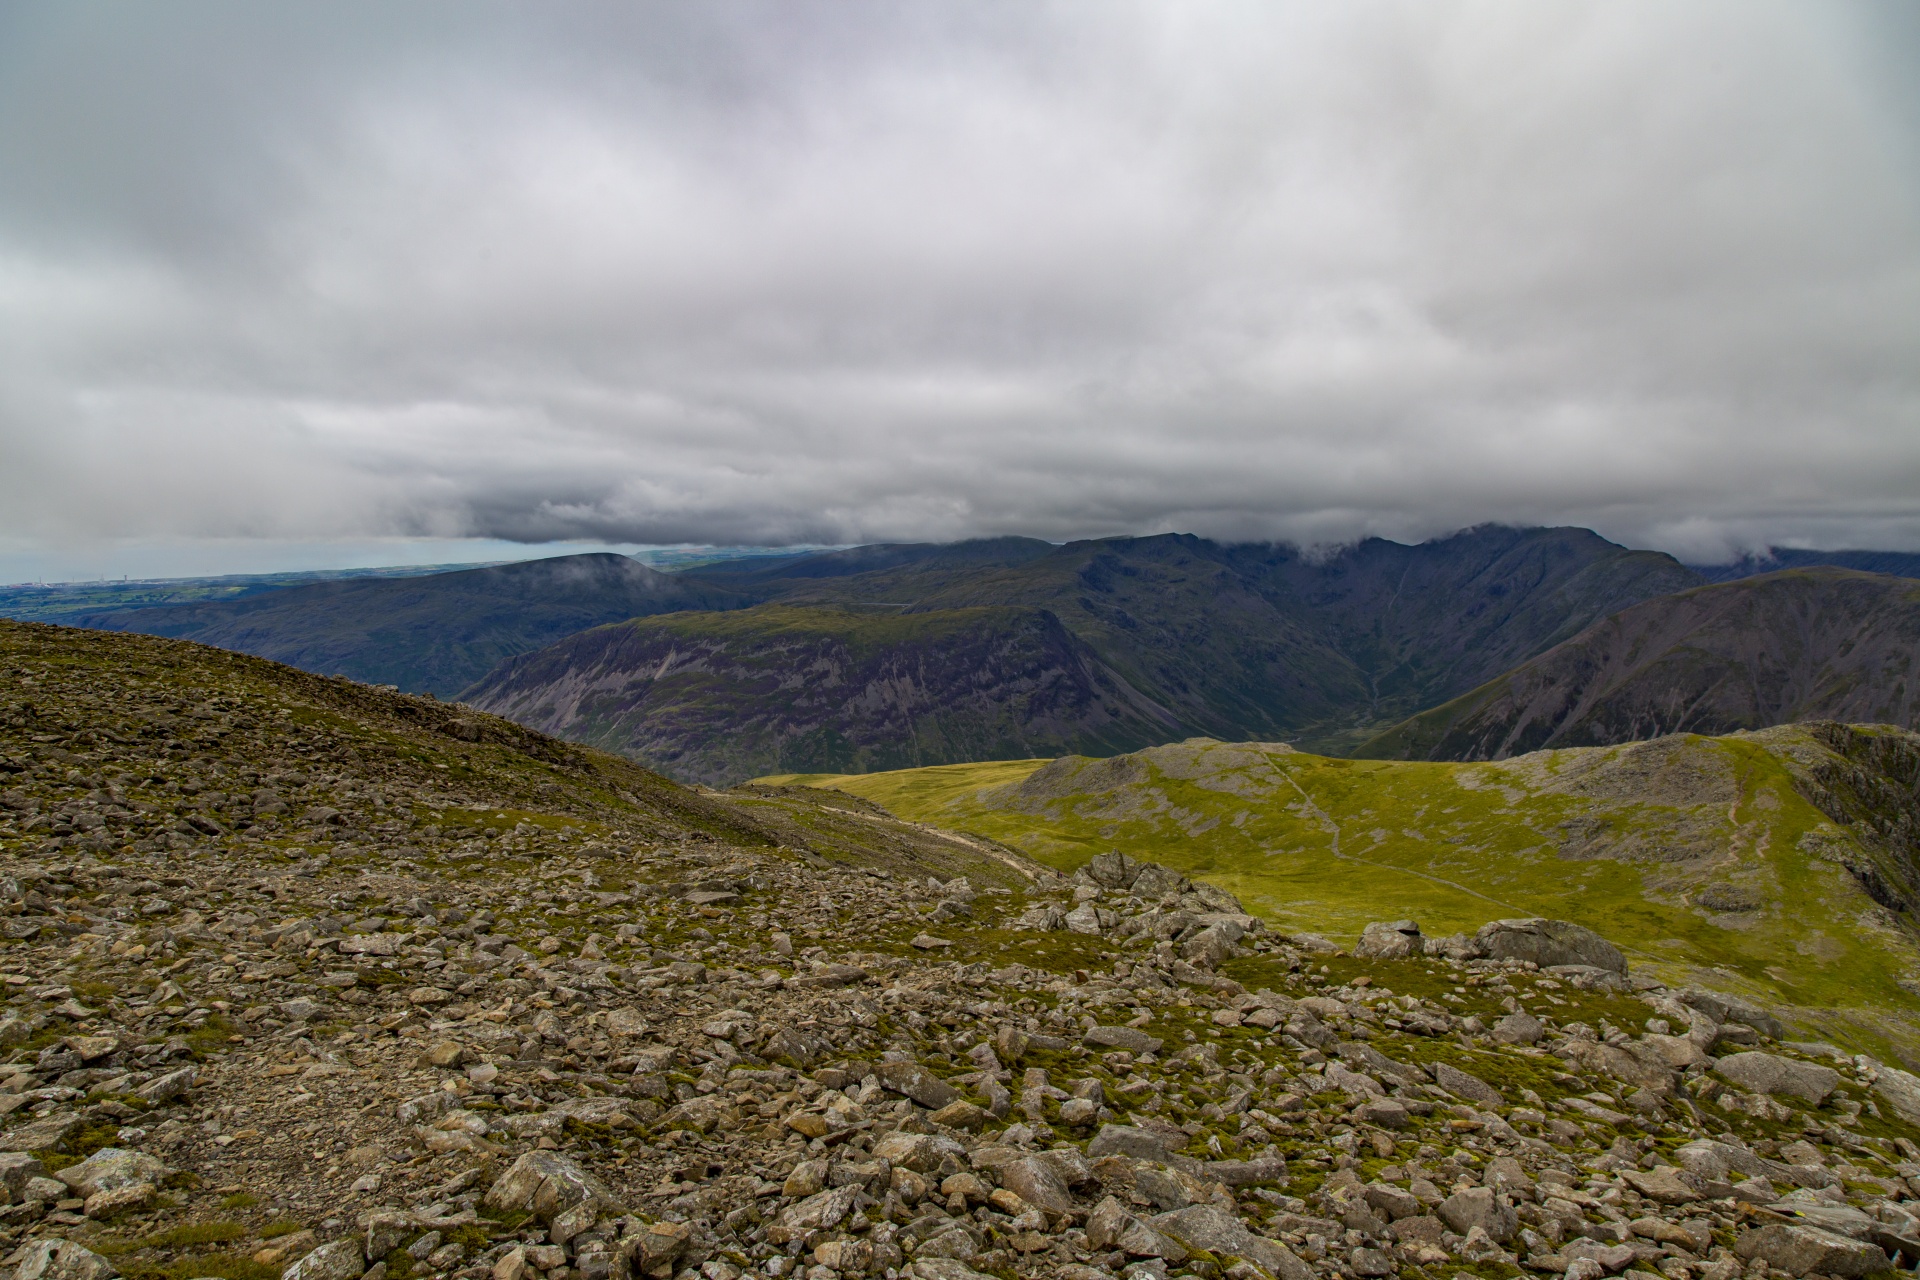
(307, 980)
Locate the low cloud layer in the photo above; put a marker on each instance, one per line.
(838, 272)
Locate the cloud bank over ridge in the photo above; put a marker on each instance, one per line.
(759, 273)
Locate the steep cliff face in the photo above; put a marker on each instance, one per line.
(1867, 781)
(721, 698)
(1814, 644)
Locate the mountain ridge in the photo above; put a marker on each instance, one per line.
(435, 633)
(1206, 638)
(1800, 644)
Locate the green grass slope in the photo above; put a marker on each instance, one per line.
(1749, 863)
(1805, 644)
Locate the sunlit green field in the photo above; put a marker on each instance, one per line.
(1634, 842)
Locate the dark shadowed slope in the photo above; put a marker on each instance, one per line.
(719, 698)
(1260, 641)
(434, 634)
(1807, 644)
(1901, 564)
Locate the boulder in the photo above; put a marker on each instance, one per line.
(1384, 1112)
(17, 1168)
(127, 1199)
(1039, 1183)
(917, 1083)
(918, 1152)
(1390, 940)
(942, 1269)
(1454, 946)
(1479, 1207)
(63, 1260)
(1725, 1008)
(339, 1260)
(1209, 1227)
(110, 1169)
(1771, 1074)
(166, 1088)
(1125, 1140)
(1213, 944)
(547, 1185)
(1663, 1184)
(1110, 871)
(1548, 942)
(1518, 1028)
(1132, 1039)
(1618, 1062)
(1470, 1087)
(1899, 1090)
(1800, 1251)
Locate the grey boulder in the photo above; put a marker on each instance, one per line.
(1547, 943)
(1479, 1207)
(1518, 1028)
(1209, 1227)
(1390, 940)
(110, 1169)
(917, 1083)
(1125, 1140)
(1800, 1251)
(547, 1185)
(1770, 1074)
(62, 1260)
(339, 1260)
(1725, 1008)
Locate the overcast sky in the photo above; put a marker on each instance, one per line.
(296, 276)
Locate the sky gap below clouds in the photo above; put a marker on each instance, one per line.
(840, 272)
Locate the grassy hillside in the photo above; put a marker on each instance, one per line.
(1805, 644)
(1743, 863)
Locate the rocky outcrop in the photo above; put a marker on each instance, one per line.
(1198, 925)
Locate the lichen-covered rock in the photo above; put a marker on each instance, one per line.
(1479, 1207)
(339, 1260)
(55, 1259)
(917, 1083)
(1548, 943)
(547, 1184)
(1724, 1008)
(1209, 1227)
(1390, 940)
(1771, 1074)
(111, 1168)
(1800, 1251)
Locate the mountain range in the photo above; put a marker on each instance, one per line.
(1151, 639)
(437, 633)
(899, 655)
(1805, 644)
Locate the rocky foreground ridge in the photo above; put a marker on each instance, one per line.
(308, 980)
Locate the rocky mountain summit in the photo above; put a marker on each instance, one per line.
(314, 981)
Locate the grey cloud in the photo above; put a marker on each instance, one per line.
(837, 272)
